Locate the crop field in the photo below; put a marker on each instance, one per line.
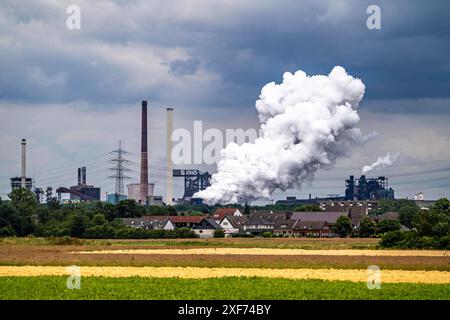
(36, 268)
(253, 288)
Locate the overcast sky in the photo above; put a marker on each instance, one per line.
(74, 93)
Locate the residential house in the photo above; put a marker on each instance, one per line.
(233, 224)
(206, 228)
(221, 213)
(150, 223)
(356, 214)
(284, 228)
(328, 216)
(316, 229)
(271, 215)
(265, 221)
(331, 205)
(186, 221)
(257, 226)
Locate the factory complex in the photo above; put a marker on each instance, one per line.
(143, 191)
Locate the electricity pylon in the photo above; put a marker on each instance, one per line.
(119, 164)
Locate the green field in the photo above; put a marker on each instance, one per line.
(51, 287)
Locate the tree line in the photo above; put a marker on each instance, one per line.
(23, 216)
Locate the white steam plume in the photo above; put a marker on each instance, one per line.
(381, 162)
(307, 123)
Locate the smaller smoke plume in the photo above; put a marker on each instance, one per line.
(381, 162)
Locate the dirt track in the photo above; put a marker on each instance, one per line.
(61, 255)
(278, 252)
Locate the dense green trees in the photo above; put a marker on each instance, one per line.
(23, 216)
(343, 226)
(385, 226)
(246, 209)
(407, 210)
(367, 228)
(308, 208)
(16, 216)
(431, 229)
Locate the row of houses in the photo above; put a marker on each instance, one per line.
(292, 224)
(233, 222)
(203, 226)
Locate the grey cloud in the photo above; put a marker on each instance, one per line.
(409, 106)
(243, 48)
(216, 56)
(184, 67)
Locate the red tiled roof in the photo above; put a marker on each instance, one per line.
(186, 219)
(221, 213)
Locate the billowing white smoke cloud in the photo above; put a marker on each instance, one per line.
(306, 124)
(381, 162)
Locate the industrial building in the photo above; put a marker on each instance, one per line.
(362, 189)
(134, 191)
(22, 181)
(82, 191)
(368, 188)
(83, 187)
(115, 198)
(194, 181)
(16, 183)
(155, 200)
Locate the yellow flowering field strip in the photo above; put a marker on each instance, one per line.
(277, 252)
(354, 275)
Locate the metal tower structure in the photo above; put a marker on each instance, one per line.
(194, 181)
(119, 164)
(48, 195)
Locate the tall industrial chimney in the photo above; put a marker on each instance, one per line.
(79, 177)
(169, 167)
(144, 155)
(24, 164)
(83, 176)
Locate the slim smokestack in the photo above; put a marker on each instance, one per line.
(83, 176)
(169, 174)
(24, 164)
(79, 177)
(144, 155)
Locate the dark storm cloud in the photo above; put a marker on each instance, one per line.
(130, 49)
(184, 67)
(407, 58)
(79, 91)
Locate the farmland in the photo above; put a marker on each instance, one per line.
(220, 288)
(35, 268)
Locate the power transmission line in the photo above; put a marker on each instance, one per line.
(119, 167)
